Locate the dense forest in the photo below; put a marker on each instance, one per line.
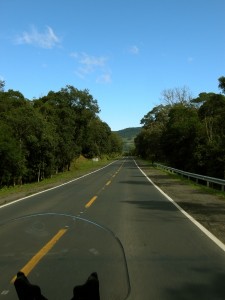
(186, 133)
(41, 137)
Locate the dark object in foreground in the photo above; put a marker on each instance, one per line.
(25, 290)
(89, 290)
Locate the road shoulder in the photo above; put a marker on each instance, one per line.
(207, 208)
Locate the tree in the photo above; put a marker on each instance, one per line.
(41, 137)
(178, 139)
(190, 133)
(97, 141)
(57, 111)
(2, 85)
(11, 124)
(176, 95)
(116, 144)
(211, 143)
(148, 142)
(12, 163)
(222, 83)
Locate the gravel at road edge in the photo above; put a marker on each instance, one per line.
(208, 209)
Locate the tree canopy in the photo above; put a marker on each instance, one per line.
(41, 137)
(186, 133)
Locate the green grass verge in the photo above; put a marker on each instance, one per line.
(78, 168)
(187, 181)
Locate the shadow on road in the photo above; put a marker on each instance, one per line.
(215, 290)
(153, 205)
(144, 182)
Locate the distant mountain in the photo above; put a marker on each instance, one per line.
(128, 135)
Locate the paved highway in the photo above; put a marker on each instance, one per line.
(168, 257)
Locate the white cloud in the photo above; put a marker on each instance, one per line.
(89, 64)
(92, 62)
(104, 78)
(47, 39)
(134, 50)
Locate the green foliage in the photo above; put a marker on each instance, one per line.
(222, 83)
(178, 138)
(42, 137)
(188, 135)
(127, 136)
(129, 133)
(2, 84)
(12, 163)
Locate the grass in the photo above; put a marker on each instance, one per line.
(202, 187)
(79, 167)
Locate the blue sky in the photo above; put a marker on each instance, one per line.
(125, 52)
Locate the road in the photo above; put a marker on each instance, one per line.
(168, 257)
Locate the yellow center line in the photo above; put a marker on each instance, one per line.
(88, 204)
(91, 201)
(37, 257)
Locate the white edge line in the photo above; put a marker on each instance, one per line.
(200, 226)
(55, 187)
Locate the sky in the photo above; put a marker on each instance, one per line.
(125, 52)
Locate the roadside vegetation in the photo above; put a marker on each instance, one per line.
(186, 133)
(147, 165)
(79, 167)
(41, 138)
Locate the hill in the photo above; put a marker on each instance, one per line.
(128, 135)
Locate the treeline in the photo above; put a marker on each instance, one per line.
(42, 137)
(129, 133)
(186, 133)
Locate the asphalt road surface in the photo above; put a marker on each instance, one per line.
(168, 257)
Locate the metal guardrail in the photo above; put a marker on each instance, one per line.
(208, 180)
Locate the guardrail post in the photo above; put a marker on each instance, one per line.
(210, 181)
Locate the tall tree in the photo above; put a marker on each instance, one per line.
(116, 144)
(211, 143)
(148, 142)
(12, 161)
(180, 134)
(176, 95)
(222, 83)
(2, 85)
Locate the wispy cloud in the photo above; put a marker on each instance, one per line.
(134, 50)
(46, 39)
(104, 78)
(89, 64)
